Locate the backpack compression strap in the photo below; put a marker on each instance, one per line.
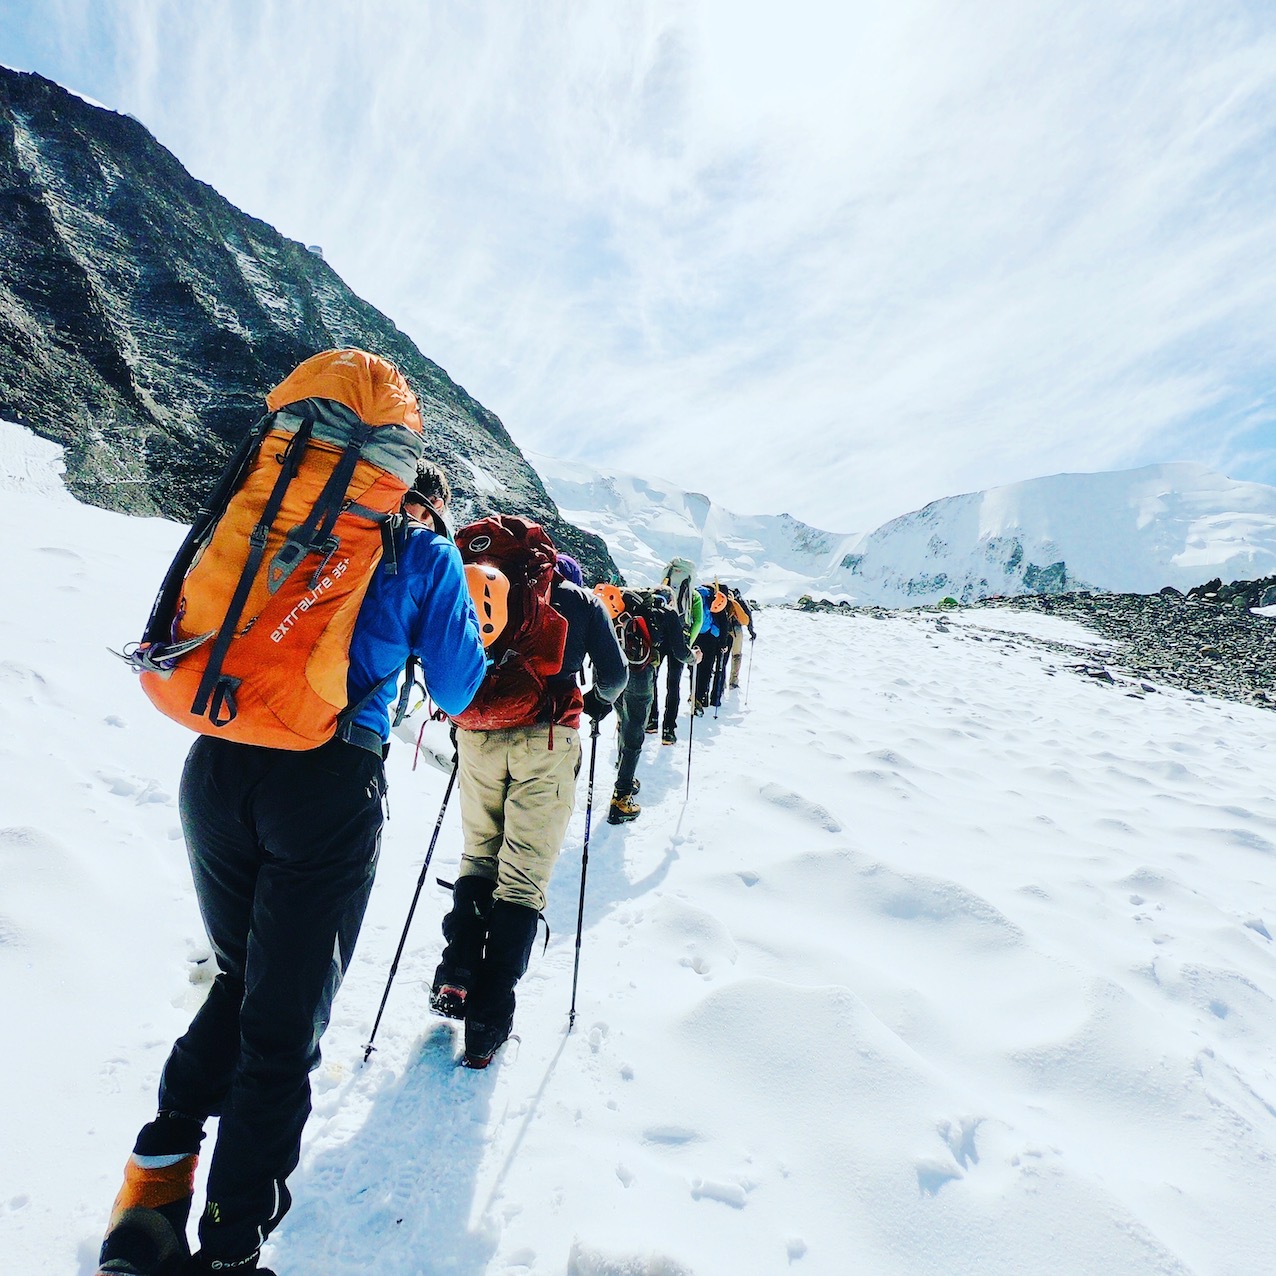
(212, 680)
(314, 536)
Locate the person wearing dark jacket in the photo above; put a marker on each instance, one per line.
(518, 790)
(283, 847)
(692, 623)
(668, 640)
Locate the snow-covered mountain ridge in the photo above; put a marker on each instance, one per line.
(1127, 531)
(648, 521)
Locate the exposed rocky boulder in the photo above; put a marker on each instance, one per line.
(1240, 594)
(143, 318)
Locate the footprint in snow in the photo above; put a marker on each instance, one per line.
(729, 1192)
(934, 1175)
(143, 792)
(669, 1135)
(58, 551)
(787, 800)
(960, 1137)
(21, 681)
(935, 1172)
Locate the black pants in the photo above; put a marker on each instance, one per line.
(283, 847)
(674, 673)
(631, 713)
(710, 645)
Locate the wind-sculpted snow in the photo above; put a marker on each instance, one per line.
(954, 962)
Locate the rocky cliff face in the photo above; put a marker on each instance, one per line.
(143, 318)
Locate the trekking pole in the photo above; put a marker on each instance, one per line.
(420, 882)
(584, 868)
(691, 730)
(748, 681)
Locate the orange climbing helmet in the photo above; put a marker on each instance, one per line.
(612, 598)
(490, 589)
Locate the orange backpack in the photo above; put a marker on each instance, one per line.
(249, 637)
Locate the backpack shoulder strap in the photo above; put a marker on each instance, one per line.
(212, 676)
(158, 624)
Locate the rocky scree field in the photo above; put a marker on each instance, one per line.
(1209, 641)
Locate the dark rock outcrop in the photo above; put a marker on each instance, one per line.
(143, 318)
(1187, 641)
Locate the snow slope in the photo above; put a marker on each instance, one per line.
(954, 963)
(1127, 531)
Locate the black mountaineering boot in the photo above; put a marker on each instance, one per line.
(147, 1232)
(489, 1009)
(465, 930)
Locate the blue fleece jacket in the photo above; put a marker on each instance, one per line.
(710, 624)
(422, 609)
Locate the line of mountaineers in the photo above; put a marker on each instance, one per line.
(318, 588)
(679, 625)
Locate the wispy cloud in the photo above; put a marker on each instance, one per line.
(838, 259)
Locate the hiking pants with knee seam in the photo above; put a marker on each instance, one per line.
(517, 797)
(631, 713)
(283, 846)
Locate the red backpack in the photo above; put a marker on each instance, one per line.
(524, 644)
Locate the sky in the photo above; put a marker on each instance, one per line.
(835, 259)
(945, 959)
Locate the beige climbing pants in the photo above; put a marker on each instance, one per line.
(517, 796)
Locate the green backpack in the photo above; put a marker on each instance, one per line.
(680, 578)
